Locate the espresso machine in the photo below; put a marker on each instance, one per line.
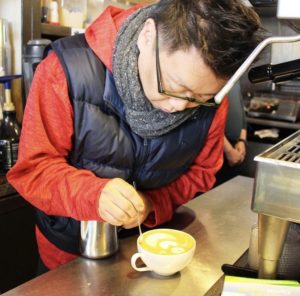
(276, 199)
(276, 193)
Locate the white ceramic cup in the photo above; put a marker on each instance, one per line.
(164, 264)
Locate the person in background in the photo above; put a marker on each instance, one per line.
(235, 138)
(129, 100)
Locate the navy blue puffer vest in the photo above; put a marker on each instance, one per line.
(103, 141)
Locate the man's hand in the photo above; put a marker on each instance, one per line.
(241, 147)
(142, 214)
(120, 203)
(234, 157)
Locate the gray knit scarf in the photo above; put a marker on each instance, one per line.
(142, 117)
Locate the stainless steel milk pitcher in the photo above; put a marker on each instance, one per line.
(98, 239)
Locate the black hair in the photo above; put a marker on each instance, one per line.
(225, 31)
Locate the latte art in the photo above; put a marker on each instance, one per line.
(166, 242)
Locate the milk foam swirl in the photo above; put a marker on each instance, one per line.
(166, 242)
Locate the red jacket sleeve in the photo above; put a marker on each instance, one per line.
(199, 178)
(42, 174)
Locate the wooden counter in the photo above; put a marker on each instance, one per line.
(220, 221)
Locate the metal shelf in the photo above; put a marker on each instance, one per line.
(55, 30)
(274, 123)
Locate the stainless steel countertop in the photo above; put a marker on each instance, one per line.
(220, 220)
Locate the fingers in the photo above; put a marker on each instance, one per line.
(235, 158)
(119, 203)
(111, 219)
(129, 193)
(240, 146)
(130, 224)
(148, 208)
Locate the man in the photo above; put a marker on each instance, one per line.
(132, 104)
(236, 128)
(235, 138)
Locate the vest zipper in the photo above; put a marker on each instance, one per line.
(142, 160)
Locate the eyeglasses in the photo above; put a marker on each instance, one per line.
(167, 93)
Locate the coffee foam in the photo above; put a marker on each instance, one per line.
(166, 242)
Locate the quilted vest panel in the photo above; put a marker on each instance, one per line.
(103, 141)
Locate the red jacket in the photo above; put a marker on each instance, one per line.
(42, 174)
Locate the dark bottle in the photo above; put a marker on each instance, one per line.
(9, 140)
(10, 131)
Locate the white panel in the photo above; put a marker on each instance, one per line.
(284, 52)
(288, 9)
(10, 10)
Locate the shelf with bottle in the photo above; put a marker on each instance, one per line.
(62, 17)
(55, 30)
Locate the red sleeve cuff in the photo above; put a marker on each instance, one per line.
(163, 210)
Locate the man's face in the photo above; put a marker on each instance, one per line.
(182, 73)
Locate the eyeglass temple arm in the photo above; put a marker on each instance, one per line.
(244, 67)
(158, 73)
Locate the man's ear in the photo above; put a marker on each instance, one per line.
(147, 35)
